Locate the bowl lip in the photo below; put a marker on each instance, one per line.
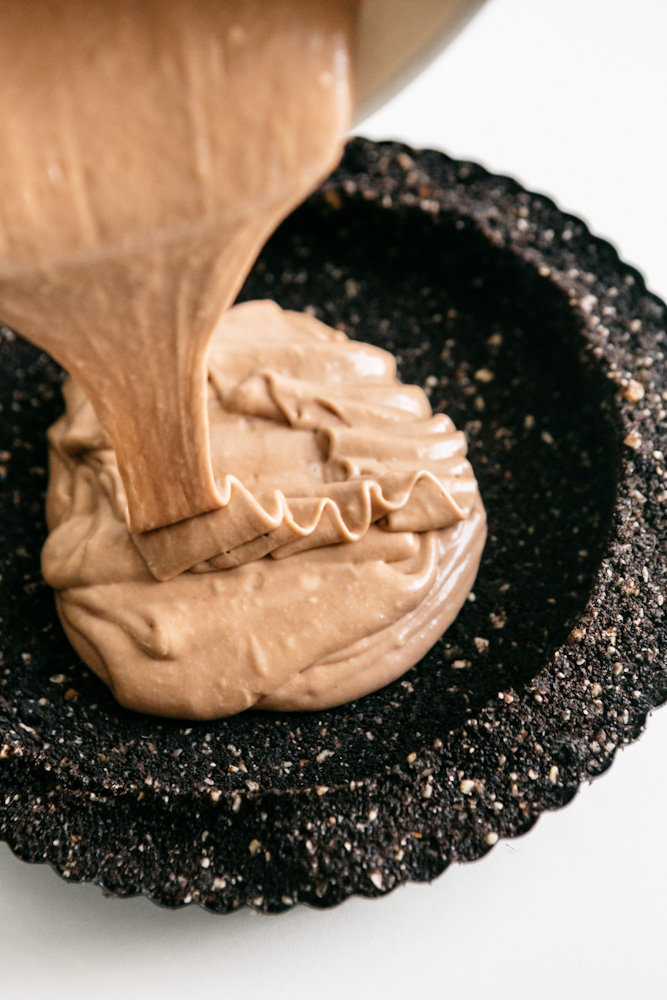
(444, 26)
(525, 779)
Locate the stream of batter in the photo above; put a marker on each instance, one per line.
(245, 507)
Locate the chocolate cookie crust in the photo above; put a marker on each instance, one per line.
(548, 352)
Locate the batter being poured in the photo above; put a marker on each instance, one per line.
(246, 508)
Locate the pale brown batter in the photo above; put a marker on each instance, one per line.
(300, 412)
(149, 148)
(333, 528)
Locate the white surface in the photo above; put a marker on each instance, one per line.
(568, 97)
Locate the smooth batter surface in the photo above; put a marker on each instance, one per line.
(302, 414)
(297, 530)
(149, 148)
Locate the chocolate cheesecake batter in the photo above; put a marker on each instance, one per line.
(312, 424)
(149, 148)
(246, 511)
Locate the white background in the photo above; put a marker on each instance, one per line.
(569, 97)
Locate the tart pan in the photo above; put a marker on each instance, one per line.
(548, 352)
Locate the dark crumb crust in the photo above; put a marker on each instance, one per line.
(560, 386)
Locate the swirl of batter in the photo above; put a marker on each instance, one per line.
(351, 535)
